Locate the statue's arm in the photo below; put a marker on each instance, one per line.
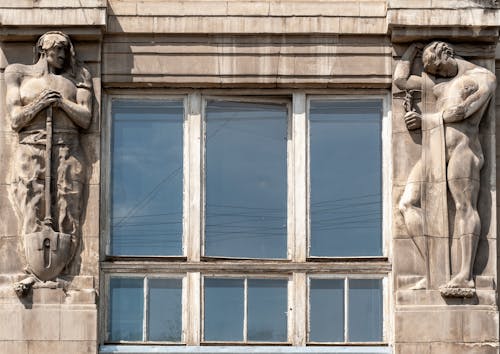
(80, 111)
(402, 78)
(21, 115)
(486, 84)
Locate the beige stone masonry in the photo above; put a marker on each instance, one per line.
(233, 60)
(45, 17)
(243, 17)
(331, 8)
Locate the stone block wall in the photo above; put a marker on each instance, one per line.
(325, 46)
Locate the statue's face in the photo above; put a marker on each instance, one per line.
(446, 66)
(56, 55)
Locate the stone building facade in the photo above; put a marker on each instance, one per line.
(380, 114)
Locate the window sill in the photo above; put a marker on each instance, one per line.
(145, 349)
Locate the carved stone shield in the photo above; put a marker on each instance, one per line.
(47, 253)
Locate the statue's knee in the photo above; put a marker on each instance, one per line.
(463, 208)
(404, 205)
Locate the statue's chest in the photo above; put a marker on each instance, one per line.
(31, 88)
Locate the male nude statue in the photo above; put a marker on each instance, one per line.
(462, 91)
(56, 80)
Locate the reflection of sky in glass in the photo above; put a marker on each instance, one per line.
(345, 165)
(267, 310)
(147, 178)
(165, 310)
(246, 180)
(326, 314)
(365, 310)
(126, 309)
(224, 301)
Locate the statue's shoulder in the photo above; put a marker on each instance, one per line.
(18, 70)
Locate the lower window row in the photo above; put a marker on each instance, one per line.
(244, 310)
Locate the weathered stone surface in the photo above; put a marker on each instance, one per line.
(11, 346)
(11, 324)
(62, 347)
(48, 124)
(91, 144)
(229, 60)
(54, 3)
(78, 325)
(426, 208)
(67, 16)
(464, 348)
(90, 256)
(9, 224)
(427, 326)
(90, 217)
(43, 324)
(239, 25)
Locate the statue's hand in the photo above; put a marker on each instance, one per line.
(413, 120)
(47, 98)
(454, 114)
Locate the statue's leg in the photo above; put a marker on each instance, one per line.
(410, 201)
(28, 186)
(463, 183)
(409, 206)
(69, 191)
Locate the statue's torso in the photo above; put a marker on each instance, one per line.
(452, 93)
(32, 86)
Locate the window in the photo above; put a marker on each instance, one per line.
(145, 309)
(244, 221)
(246, 145)
(345, 310)
(345, 169)
(146, 178)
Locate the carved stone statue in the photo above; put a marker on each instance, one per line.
(48, 103)
(455, 94)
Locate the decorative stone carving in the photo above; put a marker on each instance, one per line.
(48, 103)
(455, 95)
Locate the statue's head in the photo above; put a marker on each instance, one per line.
(56, 48)
(439, 59)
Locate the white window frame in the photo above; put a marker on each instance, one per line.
(145, 286)
(247, 277)
(298, 267)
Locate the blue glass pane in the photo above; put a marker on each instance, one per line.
(326, 313)
(365, 310)
(126, 309)
(165, 310)
(345, 168)
(246, 180)
(146, 178)
(267, 310)
(224, 301)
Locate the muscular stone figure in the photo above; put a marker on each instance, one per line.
(56, 80)
(462, 91)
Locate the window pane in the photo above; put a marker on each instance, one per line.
(165, 310)
(126, 309)
(345, 165)
(365, 310)
(246, 180)
(267, 310)
(326, 322)
(147, 178)
(224, 310)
